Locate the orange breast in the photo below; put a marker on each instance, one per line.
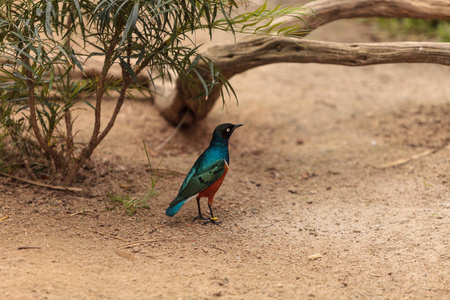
(212, 189)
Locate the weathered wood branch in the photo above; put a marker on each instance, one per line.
(233, 59)
(256, 51)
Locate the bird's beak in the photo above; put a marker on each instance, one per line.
(237, 125)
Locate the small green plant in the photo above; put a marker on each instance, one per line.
(130, 204)
(155, 174)
(426, 184)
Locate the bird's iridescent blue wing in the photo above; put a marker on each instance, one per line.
(199, 179)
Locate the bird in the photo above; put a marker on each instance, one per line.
(207, 173)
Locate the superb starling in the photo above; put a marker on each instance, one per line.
(207, 173)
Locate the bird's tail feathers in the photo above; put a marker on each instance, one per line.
(172, 210)
(176, 204)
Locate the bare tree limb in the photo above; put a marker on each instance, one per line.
(256, 51)
(233, 59)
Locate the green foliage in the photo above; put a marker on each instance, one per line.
(413, 28)
(130, 204)
(43, 41)
(264, 21)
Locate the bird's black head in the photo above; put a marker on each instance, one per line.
(225, 130)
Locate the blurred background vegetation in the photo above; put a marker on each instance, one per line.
(415, 29)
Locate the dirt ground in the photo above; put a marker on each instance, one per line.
(307, 210)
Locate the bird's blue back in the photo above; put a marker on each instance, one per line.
(217, 151)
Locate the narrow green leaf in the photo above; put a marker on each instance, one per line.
(193, 64)
(128, 69)
(89, 104)
(205, 86)
(78, 8)
(131, 22)
(95, 54)
(20, 76)
(48, 11)
(76, 61)
(119, 11)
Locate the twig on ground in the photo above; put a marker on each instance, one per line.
(108, 235)
(27, 248)
(5, 217)
(217, 248)
(48, 186)
(151, 241)
(404, 161)
(124, 254)
(82, 212)
(155, 229)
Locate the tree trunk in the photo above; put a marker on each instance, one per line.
(174, 102)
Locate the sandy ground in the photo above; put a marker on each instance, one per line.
(307, 211)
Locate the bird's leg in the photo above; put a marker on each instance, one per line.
(212, 219)
(200, 216)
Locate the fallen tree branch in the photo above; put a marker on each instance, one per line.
(174, 102)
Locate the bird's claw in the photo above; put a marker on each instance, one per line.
(213, 221)
(200, 218)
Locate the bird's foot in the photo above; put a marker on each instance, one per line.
(213, 221)
(200, 217)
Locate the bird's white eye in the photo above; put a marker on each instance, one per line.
(228, 129)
